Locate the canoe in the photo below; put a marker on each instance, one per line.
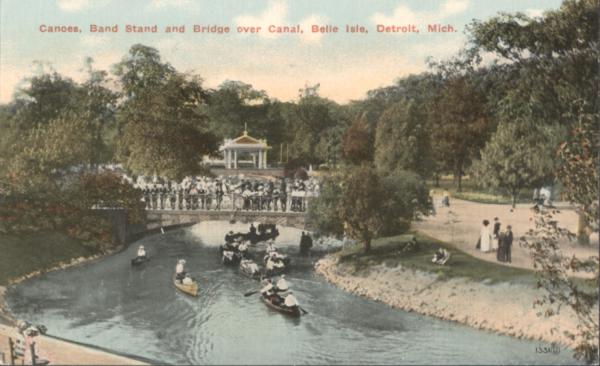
(246, 267)
(191, 290)
(137, 261)
(231, 258)
(295, 312)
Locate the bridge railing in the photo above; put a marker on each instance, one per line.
(226, 202)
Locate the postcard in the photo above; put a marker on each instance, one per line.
(299, 182)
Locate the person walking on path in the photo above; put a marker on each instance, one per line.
(508, 240)
(485, 237)
(496, 234)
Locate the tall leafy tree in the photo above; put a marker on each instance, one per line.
(402, 140)
(519, 155)
(461, 124)
(358, 142)
(164, 128)
(360, 207)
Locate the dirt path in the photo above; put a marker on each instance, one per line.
(460, 223)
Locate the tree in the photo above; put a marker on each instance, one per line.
(44, 98)
(360, 207)
(461, 124)
(578, 164)
(163, 127)
(358, 142)
(551, 73)
(402, 140)
(519, 155)
(307, 123)
(322, 213)
(97, 104)
(406, 198)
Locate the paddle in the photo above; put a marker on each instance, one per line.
(303, 311)
(250, 293)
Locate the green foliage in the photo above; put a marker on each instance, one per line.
(322, 213)
(552, 78)
(461, 124)
(554, 270)
(578, 166)
(402, 140)
(406, 197)
(45, 154)
(309, 124)
(358, 142)
(164, 130)
(109, 190)
(519, 155)
(21, 253)
(364, 206)
(360, 207)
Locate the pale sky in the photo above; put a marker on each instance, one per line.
(346, 65)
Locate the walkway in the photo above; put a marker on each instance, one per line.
(460, 224)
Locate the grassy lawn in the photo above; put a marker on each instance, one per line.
(23, 254)
(388, 251)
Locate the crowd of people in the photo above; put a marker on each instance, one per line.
(493, 239)
(231, 192)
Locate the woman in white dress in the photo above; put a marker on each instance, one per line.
(486, 237)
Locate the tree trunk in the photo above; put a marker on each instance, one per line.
(459, 181)
(367, 245)
(436, 180)
(582, 227)
(514, 199)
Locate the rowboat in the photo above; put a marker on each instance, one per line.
(191, 289)
(294, 312)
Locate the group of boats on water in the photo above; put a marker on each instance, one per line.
(241, 249)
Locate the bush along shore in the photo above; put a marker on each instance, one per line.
(408, 280)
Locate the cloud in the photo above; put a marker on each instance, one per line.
(403, 14)
(276, 13)
(79, 5)
(160, 4)
(534, 13)
(307, 23)
(452, 7)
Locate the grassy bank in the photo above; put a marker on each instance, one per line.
(391, 252)
(23, 254)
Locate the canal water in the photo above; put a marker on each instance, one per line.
(138, 311)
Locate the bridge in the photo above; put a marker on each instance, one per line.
(156, 219)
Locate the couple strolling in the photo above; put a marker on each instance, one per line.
(489, 239)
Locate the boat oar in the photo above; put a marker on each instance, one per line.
(251, 293)
(303, 311)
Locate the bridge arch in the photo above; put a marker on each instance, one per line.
(165, 218)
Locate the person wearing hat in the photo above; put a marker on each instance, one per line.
(290, 300)
(282, 285)
(180, 270)
(141, 252)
